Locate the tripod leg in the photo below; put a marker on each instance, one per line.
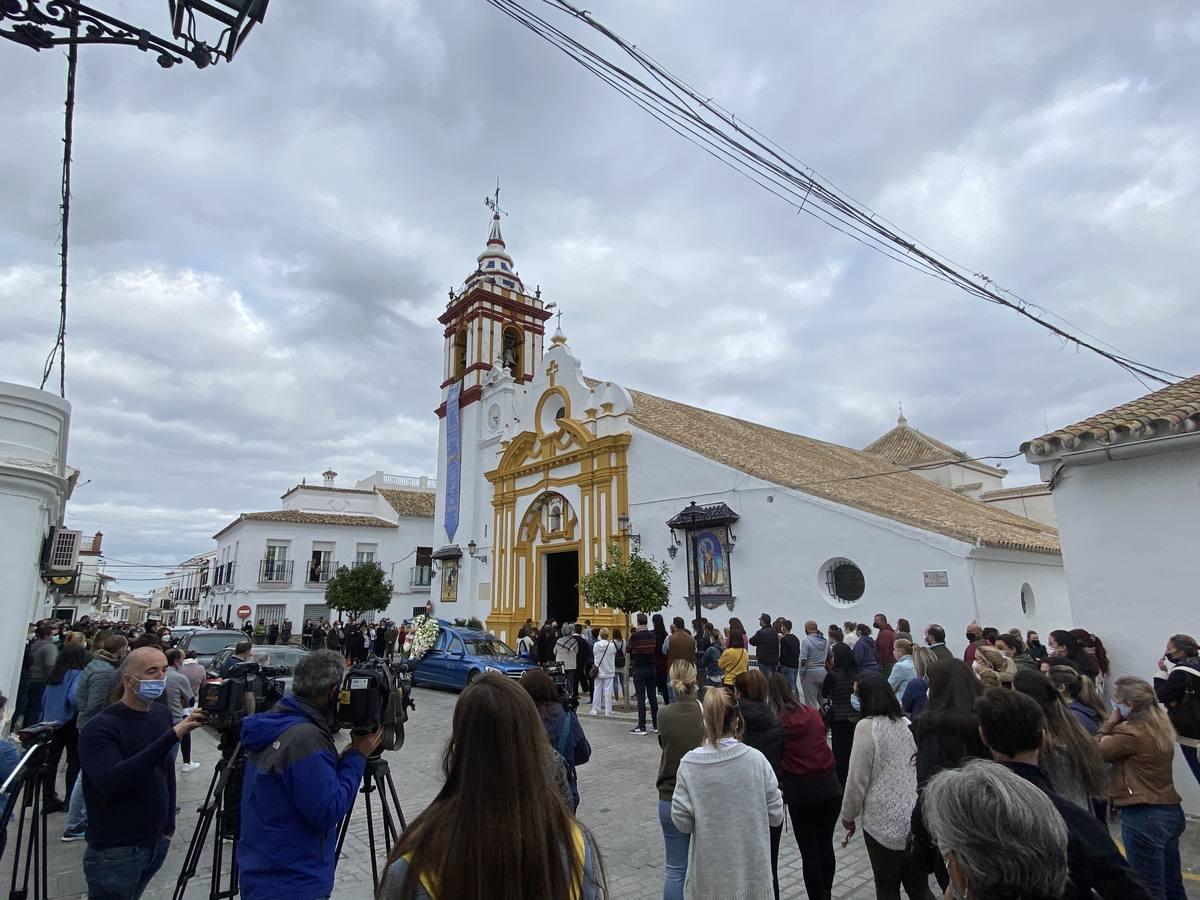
(371, 839)
(389, 823)
(342, 829)
(395, 801)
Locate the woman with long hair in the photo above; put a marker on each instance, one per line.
(882, 790)
(838, 689)
(1140, 743)
(1178, 689)
(811, 790)
(727, 798)
(680, 729)
(619, 663)
(993, 667)
(1066, 650)
(1069, 755)
(762, 732)
(494, 831)
(947, 731)
(735, 658)
(744, 639)
(563, 729)
(1093, 647)
(1079, 693)
(58, 705)
(662, 663)
(916, 692)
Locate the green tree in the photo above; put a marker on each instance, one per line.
(634, 584)
(359, 589)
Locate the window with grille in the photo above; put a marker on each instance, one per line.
(844, 581)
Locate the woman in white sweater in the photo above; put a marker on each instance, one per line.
(726, 797)
(881, 789)
(604, 658)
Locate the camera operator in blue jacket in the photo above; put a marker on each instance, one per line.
(296, 788)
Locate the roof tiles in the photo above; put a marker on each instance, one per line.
(414, 504)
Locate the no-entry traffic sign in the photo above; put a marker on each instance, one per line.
(243, 612)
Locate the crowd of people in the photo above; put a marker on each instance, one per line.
(995, 771)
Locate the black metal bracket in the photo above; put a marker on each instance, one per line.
(42, 25)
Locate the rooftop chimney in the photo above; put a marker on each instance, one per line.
(329, 475)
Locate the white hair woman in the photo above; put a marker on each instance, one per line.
(1001, 837)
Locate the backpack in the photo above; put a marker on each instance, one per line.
(1185, 713)
(619, 662)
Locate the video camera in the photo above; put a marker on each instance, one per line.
(248, 688)
(558, 674)
(375, 695)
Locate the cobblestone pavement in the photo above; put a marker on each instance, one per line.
(619, 804)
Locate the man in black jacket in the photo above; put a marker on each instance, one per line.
(766, 644)
(1011, 724)
(640, 648)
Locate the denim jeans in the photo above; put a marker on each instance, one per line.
(767, 670)
(676, 843)
(790, 674)
(644, 685)
(1189, 754)
(1150, 832)
(77, 811)
(122, 873)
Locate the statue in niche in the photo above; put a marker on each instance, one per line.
(555, 518)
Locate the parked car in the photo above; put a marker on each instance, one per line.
(275, 655)
(460, 655)
(179, 632)
(208, 642)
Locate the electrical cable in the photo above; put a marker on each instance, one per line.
(773, 164)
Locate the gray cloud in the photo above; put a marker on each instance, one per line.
(260, 250)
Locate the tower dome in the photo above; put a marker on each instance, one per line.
(495, 263)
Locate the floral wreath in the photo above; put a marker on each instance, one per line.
(421, 637)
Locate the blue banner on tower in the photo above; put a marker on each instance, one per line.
(453, 459)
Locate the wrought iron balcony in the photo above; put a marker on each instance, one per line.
(275, 571)
(420, 576)
(319, 573)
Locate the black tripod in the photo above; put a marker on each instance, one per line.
(25, 788)
(222, 804)
(377, 777)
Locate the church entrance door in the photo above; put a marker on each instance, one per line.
(562, 586)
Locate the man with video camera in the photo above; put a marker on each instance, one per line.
(296, 788)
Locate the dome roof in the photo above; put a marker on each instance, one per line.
(495, 263)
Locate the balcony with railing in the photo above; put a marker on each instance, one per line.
(275, 571)
(319, 572)
(420, 576)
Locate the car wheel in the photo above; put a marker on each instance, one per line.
(472, 675)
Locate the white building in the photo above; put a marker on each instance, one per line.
(84, 595)
(1127, 486)
(540, 470)
(911, 448)
(35, 484)
(189, 584)
(278, 562)
(122, 606)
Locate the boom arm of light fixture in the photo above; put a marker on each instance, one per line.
(471, 548)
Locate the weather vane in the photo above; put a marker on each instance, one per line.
(493, 203)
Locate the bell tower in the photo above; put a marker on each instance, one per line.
(491, 320)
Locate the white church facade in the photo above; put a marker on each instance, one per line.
(541, 469)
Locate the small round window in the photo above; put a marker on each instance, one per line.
(1028, 603)
(843, 582)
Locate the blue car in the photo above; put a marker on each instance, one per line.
(460, 655)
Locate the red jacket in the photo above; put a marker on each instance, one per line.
(885, 643)
(805, 750)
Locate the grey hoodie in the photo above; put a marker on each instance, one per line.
(94, 683)
(813, 650)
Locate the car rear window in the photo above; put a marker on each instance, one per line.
(211, 643)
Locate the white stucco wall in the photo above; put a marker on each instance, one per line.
(1130, 535)
(1039, 507)
(246, 543)
(785, 538)
(34, 488)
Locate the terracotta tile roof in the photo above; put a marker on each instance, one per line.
(415, 504)
(1024, 490)
(321, 487)
(836, 473)
(1172, 410)
(300, 517)
(908, 446)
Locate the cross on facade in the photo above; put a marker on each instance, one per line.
(552, 371)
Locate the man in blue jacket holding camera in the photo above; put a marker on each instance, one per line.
(296, 788)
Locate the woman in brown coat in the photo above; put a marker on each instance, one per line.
(1139, 742)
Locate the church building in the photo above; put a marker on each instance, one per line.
(542, 468)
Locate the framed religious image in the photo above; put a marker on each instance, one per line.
(449, 580)
(710, 563)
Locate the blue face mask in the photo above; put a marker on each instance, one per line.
(151, 690)
(1124, 709)
(855, 703)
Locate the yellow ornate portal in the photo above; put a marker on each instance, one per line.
(560, 489)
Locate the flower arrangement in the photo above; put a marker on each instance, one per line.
(421, 637)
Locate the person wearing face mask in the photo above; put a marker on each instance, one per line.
(974, 639)
(296, 787)
(1033, 646)
(126, 753)
(1178, 689)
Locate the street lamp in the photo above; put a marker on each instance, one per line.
(471, 548)
(42, 24)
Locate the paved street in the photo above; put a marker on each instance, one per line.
(618, 804)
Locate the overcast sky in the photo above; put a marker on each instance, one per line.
(259, 251)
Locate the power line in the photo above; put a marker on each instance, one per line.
(718, 132)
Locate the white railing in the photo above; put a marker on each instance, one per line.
(408, 481)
